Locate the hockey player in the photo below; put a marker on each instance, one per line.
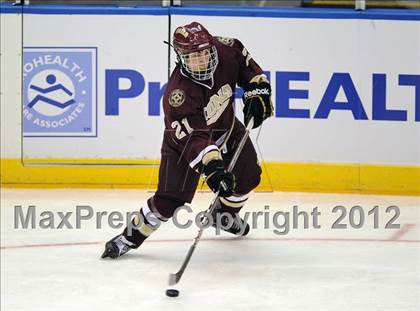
(202, 132)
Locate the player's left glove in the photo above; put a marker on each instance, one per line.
(218, 179)
(257, 100)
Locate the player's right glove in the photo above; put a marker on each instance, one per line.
(257, 100)
(218, 178)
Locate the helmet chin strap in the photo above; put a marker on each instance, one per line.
(176, 52)
(168, 43)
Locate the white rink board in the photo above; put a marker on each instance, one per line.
(10, 86)
(317, 47)
(322, 47)
(124, 42)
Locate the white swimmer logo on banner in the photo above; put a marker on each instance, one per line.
(59, 92)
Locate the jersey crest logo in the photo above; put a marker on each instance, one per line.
(177, 98)
(217, 104)
(225, 40)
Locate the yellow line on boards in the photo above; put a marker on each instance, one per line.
(277, 176)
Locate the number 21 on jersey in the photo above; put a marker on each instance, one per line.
(179, 132)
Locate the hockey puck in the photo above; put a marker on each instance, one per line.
(172, 293)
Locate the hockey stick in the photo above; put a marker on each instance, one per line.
(174, 278)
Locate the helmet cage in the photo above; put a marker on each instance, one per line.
(200, 65)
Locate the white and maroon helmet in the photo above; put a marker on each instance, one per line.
(196, 51)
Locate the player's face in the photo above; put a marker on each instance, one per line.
(198, 61)
(200, 65)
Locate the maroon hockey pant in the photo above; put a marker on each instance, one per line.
(178, 181)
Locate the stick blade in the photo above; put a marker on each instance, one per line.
(173, 279)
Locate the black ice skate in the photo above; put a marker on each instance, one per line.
(117, 247)
(238, 227)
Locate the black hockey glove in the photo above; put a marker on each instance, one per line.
(257, 101)
(218, 178)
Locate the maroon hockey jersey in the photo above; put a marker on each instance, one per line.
(199, 116)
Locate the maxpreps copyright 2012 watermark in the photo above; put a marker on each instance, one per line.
(281, 222)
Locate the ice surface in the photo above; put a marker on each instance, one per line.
(305, 269)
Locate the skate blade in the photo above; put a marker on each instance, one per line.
(107, 254)
(104, 255)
